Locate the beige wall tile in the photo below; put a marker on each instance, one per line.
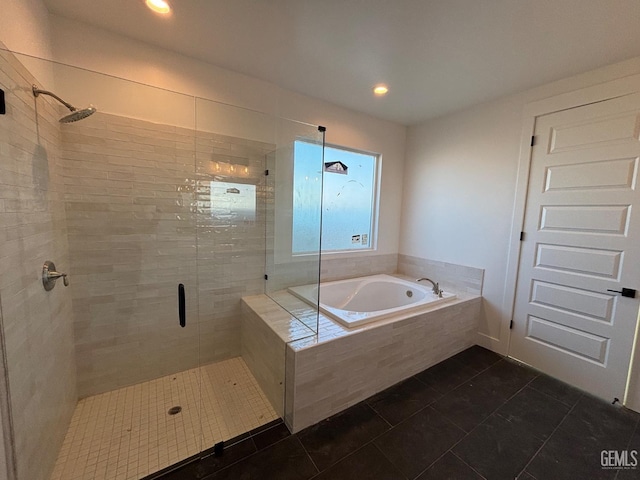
(458, 278)
(140, 220)
(264, 353)
(37, 325)
(331, 376)
(338, 367)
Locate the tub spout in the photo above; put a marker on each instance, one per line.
(436, 288)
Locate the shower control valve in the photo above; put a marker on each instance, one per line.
(49, 276)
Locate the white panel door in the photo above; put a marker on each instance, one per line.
(582, 239)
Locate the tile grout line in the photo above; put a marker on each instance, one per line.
(459, 363)
(359, 448)
(430, 404)
(380, 415)
(458, 457)
(474, 428)
(450, 449)
(320, 472)
(494, 410)
(466, 434)
(556, 399)
(312, 462)
(383, 452)
(389, 460)
(548, 438)
(308, 456)
(436, 411)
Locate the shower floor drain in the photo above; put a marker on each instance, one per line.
(175, 410)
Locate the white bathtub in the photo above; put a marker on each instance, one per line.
(358, 301)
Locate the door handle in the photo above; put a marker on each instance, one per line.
(625, 292)
(182, 313)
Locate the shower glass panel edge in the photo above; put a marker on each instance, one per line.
(293, 230)
(244, 195)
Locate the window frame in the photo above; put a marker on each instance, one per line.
(375, 204)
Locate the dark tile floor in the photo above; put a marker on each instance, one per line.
(473, 416)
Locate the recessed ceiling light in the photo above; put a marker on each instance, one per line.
(159, 6)
(380, 90)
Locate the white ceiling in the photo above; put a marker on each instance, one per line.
(436, 56)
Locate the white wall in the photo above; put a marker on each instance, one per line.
(25, 28)
(101, 51)
(459, 187)
(458, 194)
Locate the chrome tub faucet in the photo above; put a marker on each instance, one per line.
(436, 288)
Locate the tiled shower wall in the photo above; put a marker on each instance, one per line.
(37, 325)
(231, 251)
(137, 204)
(128, 195)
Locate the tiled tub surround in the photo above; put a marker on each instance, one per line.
(264, 337)
(37, 326)
(332, 267)
(331, 376)
(451, 276)
(362, 300)
(328, 372)
(458, 278)
(338, 267)
(137, 204)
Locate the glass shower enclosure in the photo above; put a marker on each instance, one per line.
(165, 210)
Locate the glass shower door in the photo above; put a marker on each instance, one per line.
(155, 191)
(231, 145)
(293, 229)
(133, 258)
(105, 360)
(238, 153)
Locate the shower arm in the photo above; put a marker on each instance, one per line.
(37, 91)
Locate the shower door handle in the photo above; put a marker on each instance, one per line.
(181, 306)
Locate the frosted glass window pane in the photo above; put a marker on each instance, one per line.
(233, 203)
(348, 189)
(307, 194)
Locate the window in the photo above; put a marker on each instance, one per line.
(348, 198)
(233, 203)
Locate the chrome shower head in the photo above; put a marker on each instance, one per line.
(75, 114)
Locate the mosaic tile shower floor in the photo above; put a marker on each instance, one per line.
(128, 433)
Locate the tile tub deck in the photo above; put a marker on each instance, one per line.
(322, 374)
